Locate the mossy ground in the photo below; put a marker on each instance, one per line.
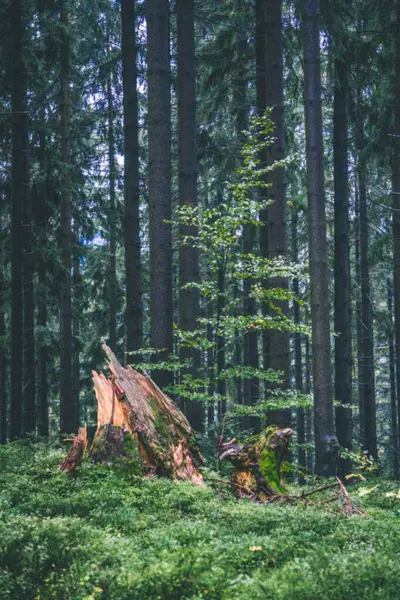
(108, 534)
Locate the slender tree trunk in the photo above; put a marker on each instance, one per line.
(19, 197)
(220, 342)
(359, 318)
(211, 373)
(309, 424)
(342, 303)
(189, 270)
(76, 325)
(392, 376)
(3, 385)
(325, 439)
(368, 361)
(28, 265)
(251, 387)
(396, 208)
(277, 226)
(159, 133)
(42, 218)
(68, 421)
(133, 265)
(298, 359)
(261, 92)
(112, 223)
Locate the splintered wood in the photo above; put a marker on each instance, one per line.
(75, 455)
(132, 401)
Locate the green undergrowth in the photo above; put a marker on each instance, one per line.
(107, 534)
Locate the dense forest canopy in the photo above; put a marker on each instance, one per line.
(212, 189)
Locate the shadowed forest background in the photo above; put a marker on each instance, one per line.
(212, 189)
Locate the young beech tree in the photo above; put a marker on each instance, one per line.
(219, 237)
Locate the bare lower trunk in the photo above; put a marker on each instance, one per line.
(326, 445)
(343, 352)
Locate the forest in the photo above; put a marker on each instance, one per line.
(199, 299)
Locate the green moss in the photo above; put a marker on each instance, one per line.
(270, 470)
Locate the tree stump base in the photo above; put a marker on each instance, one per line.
(257, 471)
(136, 420)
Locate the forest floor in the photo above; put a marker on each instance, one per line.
(108, 534)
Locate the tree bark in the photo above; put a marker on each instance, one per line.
(76, 324)
(309, 423)
(298, 359)
(112, 221)
(325, 439)
(68, 419)
(392, 377)
(277, 225)
(220, 343)
(42, 215)
(342, 301)
(396, 208)
(19, 133)
(159, 135)
(133, 264)
(368, 360)
(159, 430)
(3, 384)
(359, 325)
(28, 266)
(261, 100)
(189, 269)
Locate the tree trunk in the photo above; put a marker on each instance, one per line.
(76, 325)
(342, 302)
(257, 467)
(189, 269)
(133, 265)
(359, 318)
(396, 208)
(277, 226)
(368, 361)
(42, 219)
(261, 92)
(68, 419)
(309, 423)
(159, 134)
(3, 385)
(392, 377)
(298, 360)
(28, 265)
(19, 173)
(159, 431)
(325, 439)
(251, 387)
(220, 343)
(112, 222)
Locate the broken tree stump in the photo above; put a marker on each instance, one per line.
(75, 455)
(133, 410)
(257, 471)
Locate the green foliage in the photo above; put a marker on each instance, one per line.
(100, 535)
(217, 230)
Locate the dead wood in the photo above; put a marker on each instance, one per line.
(257, 471)
(75, 455)
(136, 420)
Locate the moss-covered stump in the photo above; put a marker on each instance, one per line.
(257, 471)
(132, 409)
